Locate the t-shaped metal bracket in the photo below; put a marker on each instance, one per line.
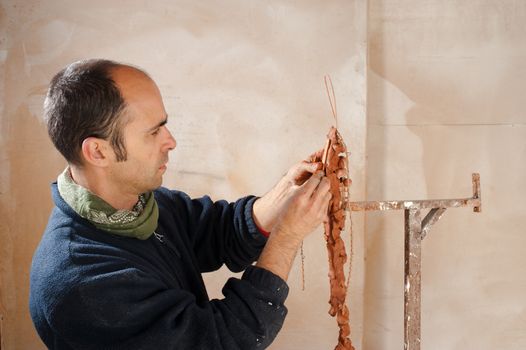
(416, 228)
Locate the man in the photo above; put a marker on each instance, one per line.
(119, 265)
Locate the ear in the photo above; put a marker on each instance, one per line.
(95, 151)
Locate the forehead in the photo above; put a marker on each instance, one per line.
(143, 99)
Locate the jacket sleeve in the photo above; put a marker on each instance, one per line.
(129, 309)
(219, 232)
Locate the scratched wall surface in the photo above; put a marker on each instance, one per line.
(446, 86)
(243, 85)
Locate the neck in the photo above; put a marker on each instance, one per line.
(99, 184)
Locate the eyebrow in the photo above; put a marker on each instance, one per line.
(163, 122)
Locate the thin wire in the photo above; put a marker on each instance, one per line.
(332, 97)
(302, 268)
(351, 252)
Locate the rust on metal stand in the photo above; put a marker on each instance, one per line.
(416, 228)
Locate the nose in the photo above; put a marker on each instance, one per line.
(170, 140)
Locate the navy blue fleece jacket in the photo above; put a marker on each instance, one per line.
(94, 290)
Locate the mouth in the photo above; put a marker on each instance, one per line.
(164, 164)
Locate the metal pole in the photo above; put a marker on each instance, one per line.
(415, 230)
(412, 279)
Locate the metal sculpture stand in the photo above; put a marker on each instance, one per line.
(416, 228)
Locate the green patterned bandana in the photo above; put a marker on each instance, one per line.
(140, 222)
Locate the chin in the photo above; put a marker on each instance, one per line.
(150, 186)
(157, 184)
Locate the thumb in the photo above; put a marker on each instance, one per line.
(309, 167)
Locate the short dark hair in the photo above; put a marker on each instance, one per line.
(84, 101)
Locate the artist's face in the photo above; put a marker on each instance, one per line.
(146, 136)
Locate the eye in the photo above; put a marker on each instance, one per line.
(156, 132)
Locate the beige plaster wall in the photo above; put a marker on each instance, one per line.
(446, 86)
(242, 82)
(243, 85)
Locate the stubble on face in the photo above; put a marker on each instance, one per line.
(143, 169)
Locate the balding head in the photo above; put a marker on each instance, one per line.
(135, 87)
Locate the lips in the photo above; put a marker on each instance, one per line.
(164, 163)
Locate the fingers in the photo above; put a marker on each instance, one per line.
(308, 167)
(315, 157)
(326, 199)
(322, 194)
(320, 200)
(312, 183)
(308, 207)
(317, 189)
(301, 172)
(322, 190)
(325, 206)
(304, 171)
